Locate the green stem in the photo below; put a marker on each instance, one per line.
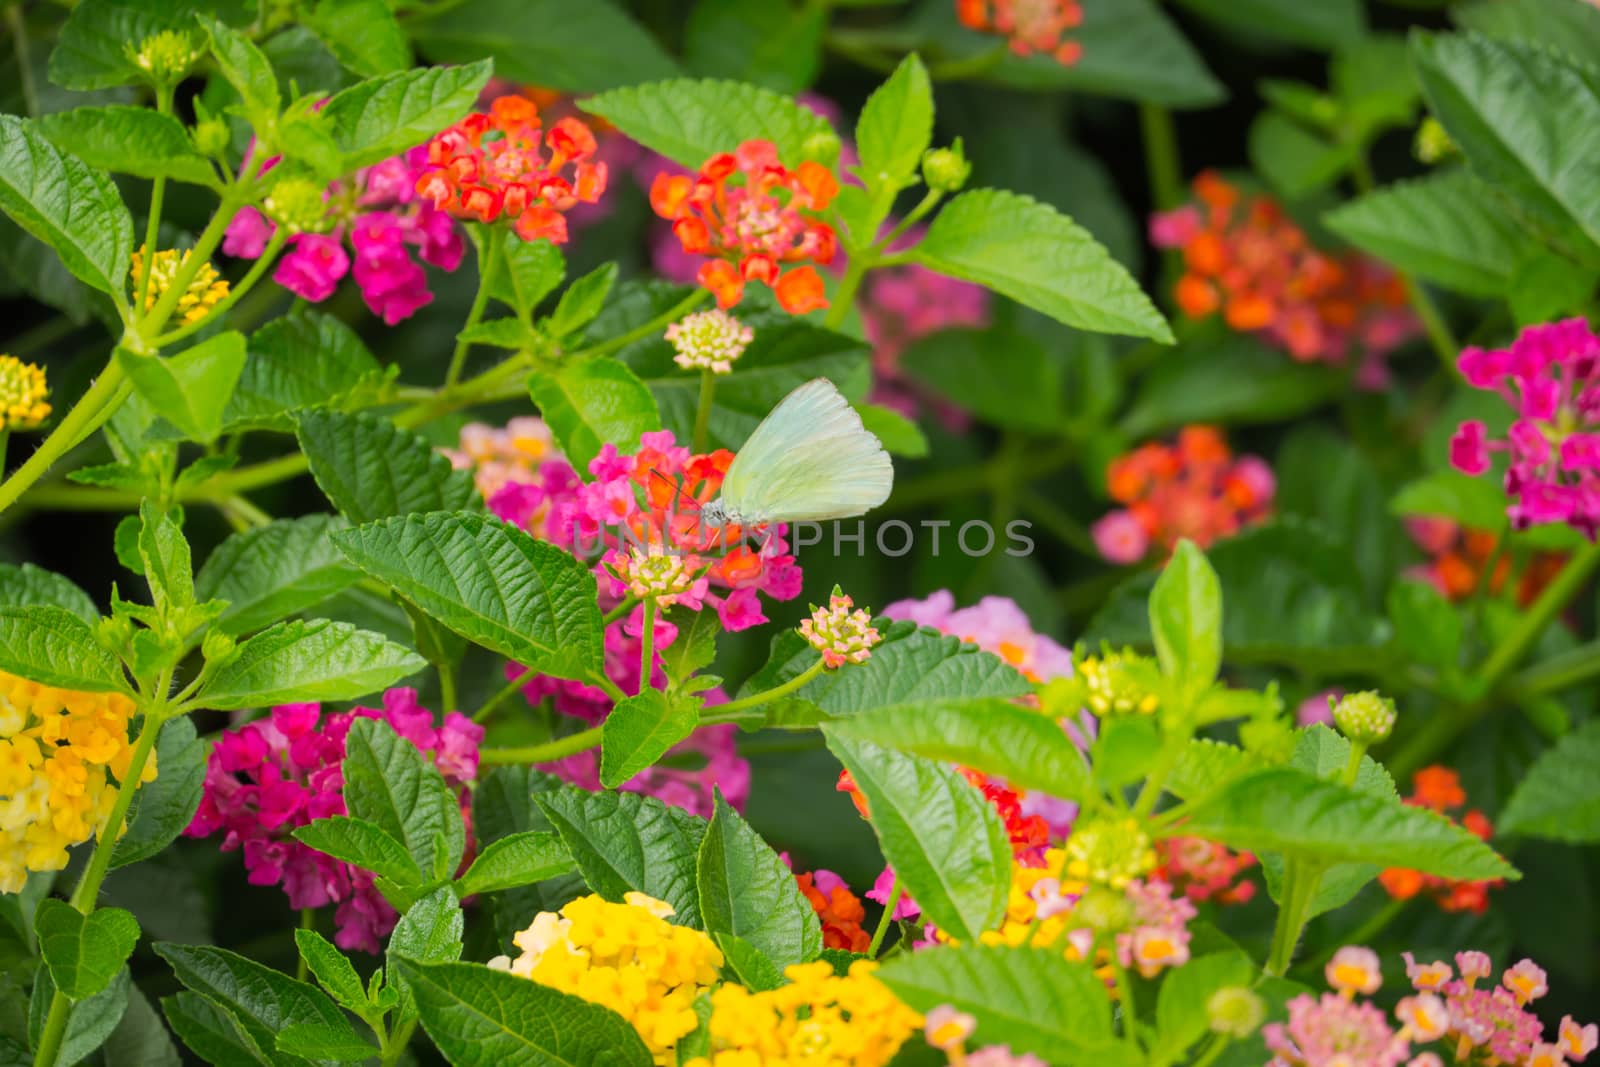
(648, 329)
(1561, 672)
(925, 205)
(1130, 1016)
(188, 267)
(252, 276)
(1161, 158)
(1299, 890)
(447, 685)
(845, 296)
(545, 753)
(396, 1046)
(503, 695)
(86, 416)
(725, 712)
(308, 921)
(488, 263)
(896, 891)
(620, 610)
(702, 411)
(647, 640)
(19, 42)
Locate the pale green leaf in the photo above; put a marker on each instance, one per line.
(895, 128)
(640, 730)
(1186, 620)
(130, 140)
(192, 388)
(593, 402)
(516, 860)
(332, 969)
(689, 121)
(361, 844)
(381, 117)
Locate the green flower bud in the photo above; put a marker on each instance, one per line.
(114, 633)
(1433, 143)
(211, 137)
(217, 646)
(298, 205)
(822, 147)
(946, 169)
(1235, 1012)
(1103, 910)
(165, 57)
(1365, 718)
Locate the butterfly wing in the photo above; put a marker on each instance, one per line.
(810, 460)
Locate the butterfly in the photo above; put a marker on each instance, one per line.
(810, 460)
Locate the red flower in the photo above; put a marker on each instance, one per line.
(754, 229)
(1032, 25)
(839, 911)
(494, 164)
(1439, 789)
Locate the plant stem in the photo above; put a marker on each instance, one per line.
(1161, 156)
(1300, 883)
(251, 277)
(188, 267)
(722, 712)
(1560, 672)
(308, 921)
(545, 753)
(702, 411)
(1130, 1019)
(619, 611)
(488, 262)
(647, 640)
(845, 295)
(503, 695)
(86, 416)
(396, 1046)
(896, 891)
(654, 326)
(447, 685)
(19, 42)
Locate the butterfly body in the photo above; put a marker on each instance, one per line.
(810, 460)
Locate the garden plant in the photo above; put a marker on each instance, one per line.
(762, 533)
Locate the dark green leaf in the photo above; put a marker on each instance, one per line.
(52, 646)
(429, 932)
(304, 360)
(140, 1039)
(747, 891)
(1003, 377)
(332, 969)
(246, 69)
(270, 572)
(1320, 25)
(593, 402)
(215, 1033)
(164, 808)
(318, 1041)
(627, 842)
(299, 661)
(30, 586)
(516, 860)
(528, 272)
(92, 48)
(1559, 798)
(84, 952)
(92, 1021)
(372, 469)
(363, 34)
(361, 844)
(389, 782)
(773, 45)
(749, 964)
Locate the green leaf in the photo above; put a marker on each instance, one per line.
(592, 402)
(84, 952)
(318, 1041)
(900, 436)
(578, 48)
(382, 117)
(1002, 376)
(362, 844)
(167, 563)
(1206, 765)
(372, 469)
(1296, 162)
(509, 332)
(1526, 119)
(192, 388)
(65, 203)
(895, 128)
(130, 140)
(363, 34)
(52, 646)
(92, 47)
(1475, 502)
(1320, 25)
(696, 644)
(213, 1032)
(298, 661)
(1033, 999)
(689, 121)
(1186, 621)
(1558, 797)
(387, 781)
(30, 586)
(1286, 810)
(747, 891)
(332, 969)
(484, 1018)
(997, 737)
(164, 808)
(1182, 1017)
(626, 841)
(304, 360)
(1233, 380)
(140, 1039)
(1570, 28)
(1125, 751)
(1446, 227)
(246, 69)
(517, 860)
(749, 964)
(270, 572)
(582, 301)
(261, 1001)
(429, 932)
(1426, 625)
(773, 45)
(91, 1022)
(640, 730)
(1037, 256)
(491, 583)
(943, 839)
(527, 272)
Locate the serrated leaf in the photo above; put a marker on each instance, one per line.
(363, 34)
(943, 839)
(381, 117)
(65, 203)
(361, 844)
(1558, 797)
(895, 128)
(625, 841)
(91, 1022)
(689, 120)
(84, 952)
(582, 301)
(1033, 999)
(168, 567)
(91, 49)
(318, 1041)
(429, 932)
(517, 860)
(164, 808)
(390, 783)
(509, 332)
(304, 360)
(245, 68)
(484, 1018)
(747, 891)
(527, 272)
(130, 140)
(1037, 256)
(1186, 621)
(1207, 765)
(52, 646)
(332, 969)
(28, 586)
(192, 388)
(140, 1039)
(1571, 28)
(594, 402)
(491, 583)
(749, 964)
(372, 469)
(695, 647)
(1446, 227)
(640, 730)
(1286, 810)
(213, 1032)
(301, 661)
(270, 572)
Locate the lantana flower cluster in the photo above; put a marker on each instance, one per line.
(838, 910)
(709, 340)
(842, 632)
(24, 403)
(1030, 26)
(1463, 558)
(948, 1029)
(1550, 376)
(62, 755)
(817, 1019)
(269, 777)
(1439, 790)
(626, 957)
(503, 163)
(1195, 488)
(205, 291)
(763, 228)
(523, 451)
(1246, 259)
(1494, 1021)
(1204, 870)
(387, 228)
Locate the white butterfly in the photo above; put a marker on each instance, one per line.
(810, 460)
